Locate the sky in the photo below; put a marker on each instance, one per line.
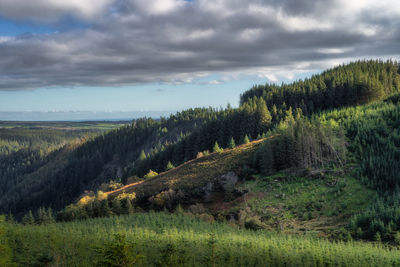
(113, 56)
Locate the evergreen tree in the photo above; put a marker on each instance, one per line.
(246, 139)
(126, 206)
(5, 250)
(10, 218)
(116, 206)
(96, 208)
(216, 148)
(263, 113)
(105, 210)
(28, 218)
(42, 216)
(50, 216)
(231, 143)
(170, 166)
(142, 155)
(267, 159)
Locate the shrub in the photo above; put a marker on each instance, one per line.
(150, 174)
(254, 223)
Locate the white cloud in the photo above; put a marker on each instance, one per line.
(158, 7)
(50, 10)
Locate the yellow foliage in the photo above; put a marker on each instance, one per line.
(85, 200)
(130, 196)
(150, 174)
(101, 195)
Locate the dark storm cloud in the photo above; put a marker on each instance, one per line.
(132, 41)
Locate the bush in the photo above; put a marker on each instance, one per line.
(150, 174)
(254, 223)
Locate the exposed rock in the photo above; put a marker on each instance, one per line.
(229, 180)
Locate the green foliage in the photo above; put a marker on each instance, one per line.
(356, 83)
(302, 144)
(231, 143)
(117, 253)
(126, 206)
(397, 238)
(170, 166)
(116, 206)
(142, 155)
(217, 149)
(68, 157)
(43, 216)
(5, 250)
(28, 218)
(246, 140)
(382, 216)
(329, 200)
(374, 134)
(150, 174)
(174, 254)
(183, 241)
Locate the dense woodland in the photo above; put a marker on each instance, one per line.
(356, 83)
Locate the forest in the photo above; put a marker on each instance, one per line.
(118, 189)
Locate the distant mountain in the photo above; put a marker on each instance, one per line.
(79, 115)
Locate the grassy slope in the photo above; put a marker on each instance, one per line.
(193, 174)
(164, 239)
(299, 204)
(284, 202)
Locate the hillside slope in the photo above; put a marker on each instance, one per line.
(235, 185)
(192, 177)
(223, 186)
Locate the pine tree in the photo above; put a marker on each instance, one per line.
(10, 218)
(267, 158)
(217, 149)
(231, 143)
(126, 206)
(42, 216)
(142, 155)
(105, 210)
(246, 139)
(5, 250)
(50, 216)
(263, 113)
(170, 166)
(116, 206)
(28, 218)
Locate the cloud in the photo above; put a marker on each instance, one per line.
(51, 10)
(176, 41)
